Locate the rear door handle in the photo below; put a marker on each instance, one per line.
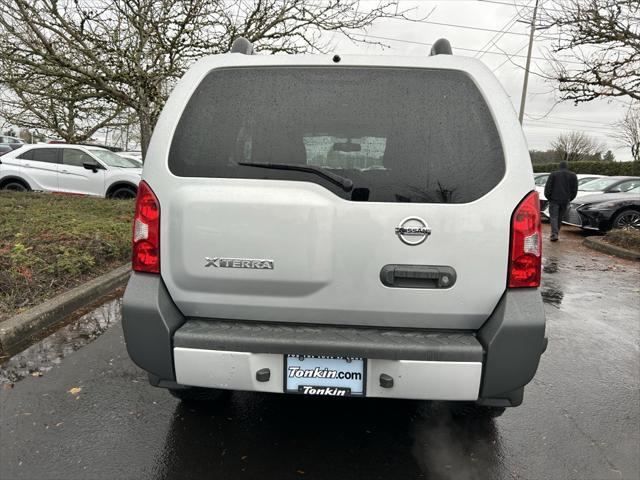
(418, 276)
(64, 171)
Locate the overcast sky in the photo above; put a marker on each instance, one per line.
(595, 118)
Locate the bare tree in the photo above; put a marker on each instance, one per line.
(67, 111)
(597, 53)
(130, 52)
(576, 146)
(628, 130)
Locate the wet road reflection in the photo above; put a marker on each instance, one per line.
(42, 356)
(551, 293)
(550, 289)
(550, 265)
(274, 436)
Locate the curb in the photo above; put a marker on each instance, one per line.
(18, 329)
(605, 247)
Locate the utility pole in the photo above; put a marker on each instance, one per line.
(523, 100)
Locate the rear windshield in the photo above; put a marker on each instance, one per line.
(396, 134)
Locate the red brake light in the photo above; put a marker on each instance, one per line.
(525, 256)
(146, 231)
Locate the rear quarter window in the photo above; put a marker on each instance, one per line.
(400, 134)
(28, 155)
(46, 155)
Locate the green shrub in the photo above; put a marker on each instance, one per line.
(595, 168)
(51, 243)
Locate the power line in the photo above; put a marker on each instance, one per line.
(540, 119)
(510, 4)
(571, 127)
(555, 125)
(492, 41)
(509, 56)
(377, 37)
(513, 4)
(469, 27)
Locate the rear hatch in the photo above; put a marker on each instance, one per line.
(297, 192)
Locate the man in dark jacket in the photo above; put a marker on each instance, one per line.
(560, 189)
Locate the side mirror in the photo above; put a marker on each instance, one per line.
(92, 166)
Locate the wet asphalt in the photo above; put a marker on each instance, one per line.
(73, 406)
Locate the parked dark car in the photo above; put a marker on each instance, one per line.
(605, 211)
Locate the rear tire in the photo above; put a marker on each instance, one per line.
(15, 186)
(197, 394)
(123, 193)
(627, 220)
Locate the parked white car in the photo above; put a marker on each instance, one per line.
(619, 184)
(134, 155)
(72, 169)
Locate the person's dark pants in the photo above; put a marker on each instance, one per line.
(556, 212)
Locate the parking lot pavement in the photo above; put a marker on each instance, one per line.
(580, 417)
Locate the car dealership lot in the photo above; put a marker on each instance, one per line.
(580, 417)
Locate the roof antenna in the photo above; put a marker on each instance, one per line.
(441, 47)
(242, 45)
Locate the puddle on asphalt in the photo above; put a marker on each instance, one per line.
(49, 352)
(550, 289)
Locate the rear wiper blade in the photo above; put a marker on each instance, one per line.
(345, 183)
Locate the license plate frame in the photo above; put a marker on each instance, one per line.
(309, 384)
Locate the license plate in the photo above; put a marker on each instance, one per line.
(319, 375)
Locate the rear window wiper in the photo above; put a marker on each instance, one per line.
(345, 183)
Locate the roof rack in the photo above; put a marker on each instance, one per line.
(242, 45)
(441, 47)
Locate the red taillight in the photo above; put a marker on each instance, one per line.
(525, 257)
(146, 231)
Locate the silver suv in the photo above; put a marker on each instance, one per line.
(357, 225)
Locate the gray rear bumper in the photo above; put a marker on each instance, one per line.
(508, 346)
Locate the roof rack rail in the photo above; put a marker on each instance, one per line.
(242, 45)
(441, 47)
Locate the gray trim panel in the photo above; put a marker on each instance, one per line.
(513, 339)
(390, 344)
(149, 318)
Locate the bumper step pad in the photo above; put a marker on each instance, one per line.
(328, 340)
